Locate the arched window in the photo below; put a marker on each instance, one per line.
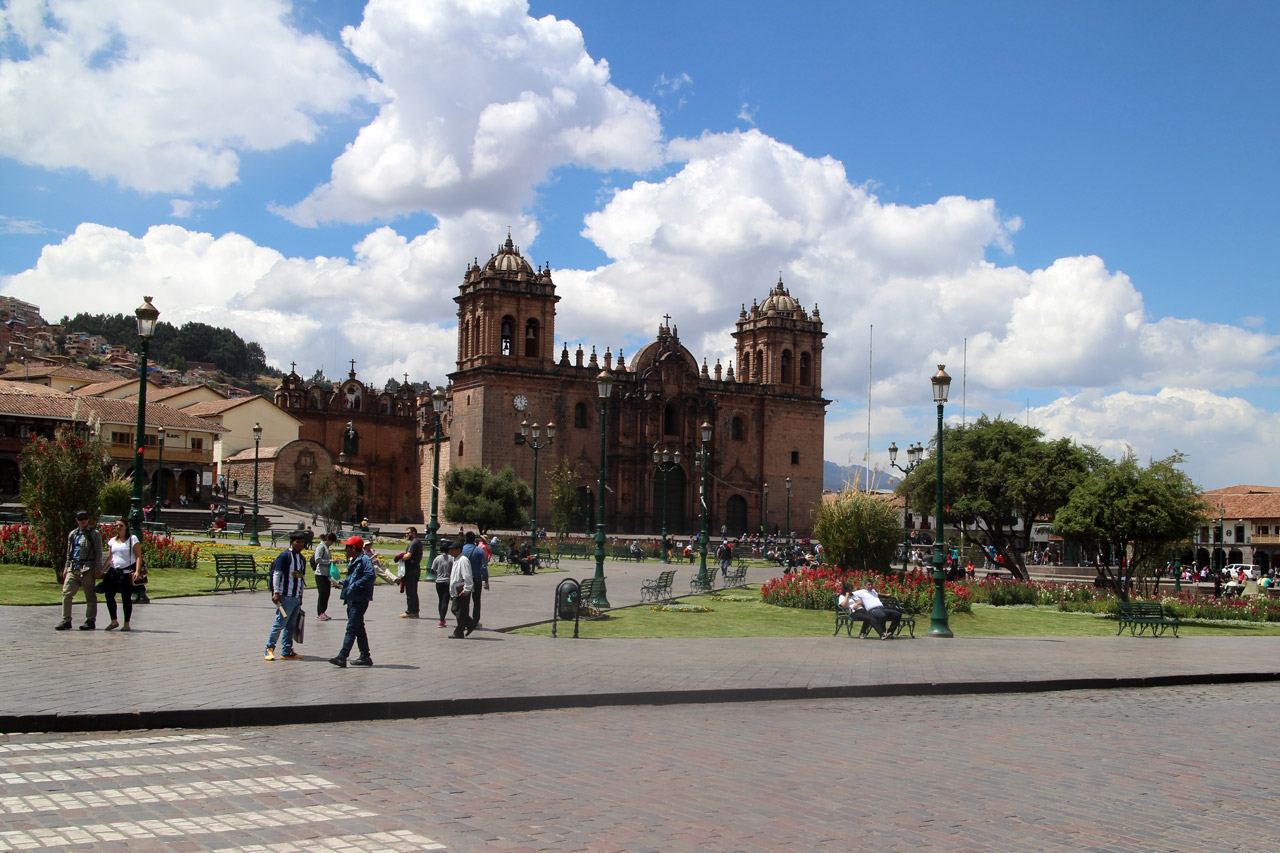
(758, 373)
(737, 429)
(304, 485)
(508, 329)
(531, 339)
(464, 339)
(744, 367)
(460, 443)
(786, 367)
(580, 416)
(315, 400)
(670, 420)
(806, 369)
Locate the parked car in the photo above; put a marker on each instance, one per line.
(1250, 571)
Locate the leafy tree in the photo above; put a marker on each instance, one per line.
(116, 496)
(995, 473)
(566, 499)
(1145, 511)
(329, 497)
(857, 531)
(59, 476)
(478, 496)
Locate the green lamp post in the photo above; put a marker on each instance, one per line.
(938, 626)
(915, 452)
(788, 482)
(604, 387)
(764, 516)
(147, 315)
(159, 495)
(438, 400)
(257, 442)
(666, 465)
(702, 494)
(531, 440)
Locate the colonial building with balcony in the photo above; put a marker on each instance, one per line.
(1242, 526)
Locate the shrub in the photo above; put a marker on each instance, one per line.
(857, 531)
(817, 588)
(59, 476)
(116, 497)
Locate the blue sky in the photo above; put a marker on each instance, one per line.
(1084, 191)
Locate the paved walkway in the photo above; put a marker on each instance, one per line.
(198, 662)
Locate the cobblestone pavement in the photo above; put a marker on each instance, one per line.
(200, 661)
(1183, 769)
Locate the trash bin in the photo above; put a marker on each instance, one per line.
(567, 604)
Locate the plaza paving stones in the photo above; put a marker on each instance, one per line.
(1183, 769)
(197, 662)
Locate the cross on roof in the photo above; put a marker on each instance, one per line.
(667, 319)
(293, 367)
(353, 367)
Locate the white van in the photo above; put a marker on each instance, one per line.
(1250, 571)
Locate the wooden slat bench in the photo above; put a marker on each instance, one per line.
(589, 606)
(696, 587)
(1138, 616)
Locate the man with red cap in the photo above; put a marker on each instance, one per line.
(357, 592)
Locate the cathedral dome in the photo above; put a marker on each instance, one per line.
(508, 259)
(779, 299)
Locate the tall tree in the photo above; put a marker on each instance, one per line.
(59, 476)
(997, 473)
(1145, 512)
(478, 496)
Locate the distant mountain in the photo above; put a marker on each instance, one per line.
(835, 477)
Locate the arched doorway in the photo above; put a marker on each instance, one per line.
(1234, 556)
(1202, 558)
(735, 515)
(1219, 559)
(189, 485)
(674, 495)
(1263, 561)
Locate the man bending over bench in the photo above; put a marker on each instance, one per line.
(866, 606)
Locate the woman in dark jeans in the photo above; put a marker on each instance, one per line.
(124, 558)
(324, 558)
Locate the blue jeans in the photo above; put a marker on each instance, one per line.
(355, 630)
(288, 622)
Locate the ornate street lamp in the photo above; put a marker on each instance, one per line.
(533, 443)
(147, 315)
(159, 494)
(257, 440)
(438, 400)
(788, 519)
(915, 452)
(938, 626)
(604, 387)
(342, 472)
(702, 493)
(665, 466)
(764, 517)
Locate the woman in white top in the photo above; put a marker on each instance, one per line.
(125, 558)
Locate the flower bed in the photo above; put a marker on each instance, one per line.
(18, 545)
(1189, 605)
(817, 588)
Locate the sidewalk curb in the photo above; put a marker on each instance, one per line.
(274, 715)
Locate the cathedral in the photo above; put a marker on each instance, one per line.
(766, 419)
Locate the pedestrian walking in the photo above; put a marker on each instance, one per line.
(411, 560)
(357, 592)
(724, 554)
(479, 575)
(461, 585)
(288, 580)
(322, 559)
(124, 562)
(84, 559)
(442, 567)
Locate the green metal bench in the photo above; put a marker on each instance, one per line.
(236, 570)
(623, 552)
(278, 536)
(1138, 616)
(589, 607)
(736, 578)
(696, 587)
(845, 620)
(157, 527)
(659, 588)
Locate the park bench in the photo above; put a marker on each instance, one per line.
(278, 536)
(736, 578)
(550, 558)
(235, 570)
(589, 605)
(233, 528)
(157, 527)
(1138, 616)
(499, 552)
(659, 588)
(845, 620)
(624, 552)
(108, 519)
(695, 586)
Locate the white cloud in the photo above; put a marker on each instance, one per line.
(478, 102)
(13, 225)
(185, 208)
(747, 113)
(390, 306)
(159, 96)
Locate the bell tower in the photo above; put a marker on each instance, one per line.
(506, 313)
(779, 345)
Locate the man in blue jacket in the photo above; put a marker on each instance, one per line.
(357, 592)
(479, 575)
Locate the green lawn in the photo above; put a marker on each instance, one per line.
(756, 619)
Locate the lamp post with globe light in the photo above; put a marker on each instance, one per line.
(666, 464)
(438, 400)
(604, 387)
(702, 494)
(257, 441)
(159, 495)
(530, 436)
